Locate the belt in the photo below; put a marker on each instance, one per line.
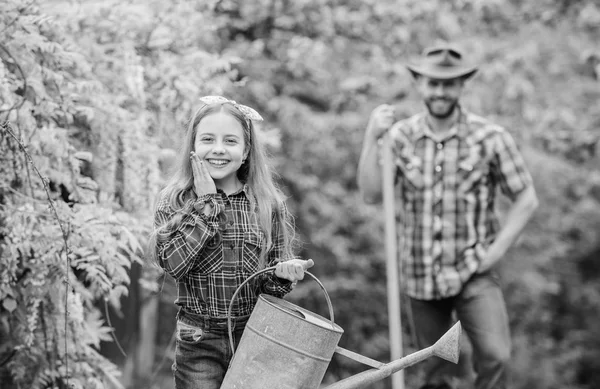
(212, 324)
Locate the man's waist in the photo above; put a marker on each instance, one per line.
(436, 282)
(453, 246)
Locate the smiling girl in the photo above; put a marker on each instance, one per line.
(220, 219)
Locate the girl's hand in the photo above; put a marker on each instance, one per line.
(293, 270)
(203, 182)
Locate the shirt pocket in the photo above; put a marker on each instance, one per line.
(410, 168)
(472, 173)
(251, 253)
(188, 333)
(469, 177)
(210, 259)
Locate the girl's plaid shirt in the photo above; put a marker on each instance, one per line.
(210, 256)
(447, 190)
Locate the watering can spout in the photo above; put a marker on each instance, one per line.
(447, 347)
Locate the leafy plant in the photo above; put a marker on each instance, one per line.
(62, 251)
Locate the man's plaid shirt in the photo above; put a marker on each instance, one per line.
(210, 256)
(448, 186)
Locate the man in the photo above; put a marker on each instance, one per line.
(449, 163)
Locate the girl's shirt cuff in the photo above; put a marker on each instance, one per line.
(208, 205)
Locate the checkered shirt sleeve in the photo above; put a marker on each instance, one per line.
(177, 253)
(508, 168)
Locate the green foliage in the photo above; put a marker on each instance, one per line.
(99, 92)
(59, 259)
(62, 251)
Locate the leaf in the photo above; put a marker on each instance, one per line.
(84, 156)
(9, 304)
(133, 242)
(96, 329)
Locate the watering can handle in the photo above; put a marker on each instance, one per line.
(268, 269)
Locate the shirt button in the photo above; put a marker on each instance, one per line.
(440, 146)
(438, 168)
(436, 267)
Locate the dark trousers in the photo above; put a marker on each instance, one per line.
(203, 351)
(481, 310)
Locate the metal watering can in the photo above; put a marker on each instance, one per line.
(287, 347)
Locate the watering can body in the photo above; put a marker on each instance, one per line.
(283, 346)
(287, 347)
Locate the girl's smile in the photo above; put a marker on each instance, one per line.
(218, 163)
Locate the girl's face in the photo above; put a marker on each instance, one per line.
(220, 143)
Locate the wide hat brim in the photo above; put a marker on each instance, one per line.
(442, 72)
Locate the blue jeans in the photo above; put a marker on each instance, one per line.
(202, 351)
(482, 312)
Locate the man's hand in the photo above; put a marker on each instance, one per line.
(380, 121)
(293, 270)
(487, 257)
(203, 182)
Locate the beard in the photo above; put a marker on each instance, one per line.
(441, 114)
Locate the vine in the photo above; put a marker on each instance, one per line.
(29, 294)
(5, 127)
(65, 251)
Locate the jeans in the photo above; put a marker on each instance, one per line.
(482, 312)
(202, 351)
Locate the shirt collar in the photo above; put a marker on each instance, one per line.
(245, 189)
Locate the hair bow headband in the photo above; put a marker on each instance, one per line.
(249, 113)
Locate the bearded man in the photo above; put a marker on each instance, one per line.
(449, 164)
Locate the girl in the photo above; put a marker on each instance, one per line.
(219, 220)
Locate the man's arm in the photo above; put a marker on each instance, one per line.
(369, 172)
(518, 215)
(369, 177)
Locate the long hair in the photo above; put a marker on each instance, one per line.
(256, 172)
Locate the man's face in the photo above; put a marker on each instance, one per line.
(440, 96)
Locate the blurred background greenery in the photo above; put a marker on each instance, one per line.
(99, 91)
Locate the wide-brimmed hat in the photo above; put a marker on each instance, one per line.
(442, 63)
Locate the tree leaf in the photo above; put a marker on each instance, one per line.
(9, 304)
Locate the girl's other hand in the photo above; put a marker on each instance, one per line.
(293, 270)
(203, 182)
